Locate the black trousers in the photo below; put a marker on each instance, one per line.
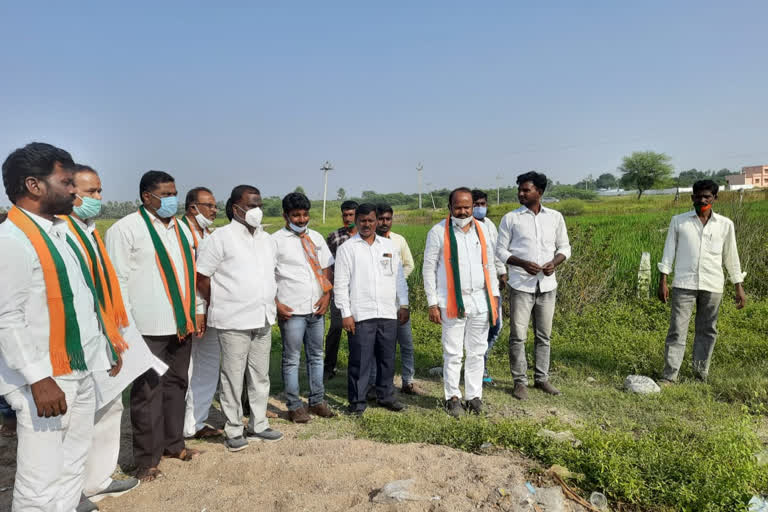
(373, 343)
(332, 339)
(158, 402)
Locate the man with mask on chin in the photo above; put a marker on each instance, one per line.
(199, 214)
(699, 244)
(236, 277)
(154, 260)
(462, 292)
(303, 293)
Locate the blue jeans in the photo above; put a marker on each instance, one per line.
(304, 330)
(6, 411)
(493, 335)
(407, 366)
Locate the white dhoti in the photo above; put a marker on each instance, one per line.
(51, 453)
(460, 335)
(204, 366)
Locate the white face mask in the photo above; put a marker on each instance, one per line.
(461, 223)
(202, 221)
(253, 216)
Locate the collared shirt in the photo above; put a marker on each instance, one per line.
(471, 271)
(537, 238)
(133, 255)
(369, 281)
(336, 238)
(297, 285)
(405, 252)
(241, 266)
(24, 321)
(699, 252)
(493, 237)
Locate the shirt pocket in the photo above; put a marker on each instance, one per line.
(386, 266)
(714, 243)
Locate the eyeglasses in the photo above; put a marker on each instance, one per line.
(210, 206)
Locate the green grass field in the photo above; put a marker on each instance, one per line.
(693, 447)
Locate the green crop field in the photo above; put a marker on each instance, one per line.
(693, 447)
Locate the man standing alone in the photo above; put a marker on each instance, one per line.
(533, 242)
(460, 283)
(698, 244)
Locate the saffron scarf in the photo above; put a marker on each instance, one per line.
(455, 302)
(310, 251)
(183, 311)
(105, 285)
(65, 346)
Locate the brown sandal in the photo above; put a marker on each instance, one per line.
(148, 474)
(186, 454)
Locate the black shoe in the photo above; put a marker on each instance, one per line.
(394, 405)
(355, 413)
(475, 406)
(371, 394)
(454, 407)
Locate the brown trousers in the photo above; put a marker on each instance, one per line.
(158, 402)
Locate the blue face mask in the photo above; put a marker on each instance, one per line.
(169, 206)
(297, 229)
(479, 212)
(89, 209)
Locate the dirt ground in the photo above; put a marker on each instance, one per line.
(315, 473)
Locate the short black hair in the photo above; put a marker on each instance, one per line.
(36, 159)
(192, 196)
(706, 185)
(152, 179)
(365, 209)
(478, 194)
(383, 208)
(456, 191)
(539, 180)
(237, 193)
(296, 201)
(3, 216)
(349, 205)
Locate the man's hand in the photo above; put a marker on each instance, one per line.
(741, 298)
(532, 268)
(434, 315)
(283, 311)
(663, 289)
(348, 324)
(117, 366)
(503, 279)
(321, 306)
(49, 398)
(403, 315)
(548, 268)
(200, 320)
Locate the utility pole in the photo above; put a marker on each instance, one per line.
(499, 177)
(429, 184)
(325, 168)
(419, 169)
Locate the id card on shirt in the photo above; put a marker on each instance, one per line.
(387, 267)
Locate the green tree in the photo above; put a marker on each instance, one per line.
(644, 169)
(606, 180)
(341, 194)
(299, 190)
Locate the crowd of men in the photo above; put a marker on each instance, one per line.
(176, 310)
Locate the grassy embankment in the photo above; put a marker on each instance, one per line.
(692, 447)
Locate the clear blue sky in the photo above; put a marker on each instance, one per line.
(219, 96)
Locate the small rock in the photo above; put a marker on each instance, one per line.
(437, 371)
(565, 436)
(641, 384)
(591, 380)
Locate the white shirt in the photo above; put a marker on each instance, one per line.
(241, 266)
(537, 238)
(406, 258)
(133, 255)
(471, 271)
(699, 252)
(493, 237)
(24, 321)
(297, 285)
(369, 281)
